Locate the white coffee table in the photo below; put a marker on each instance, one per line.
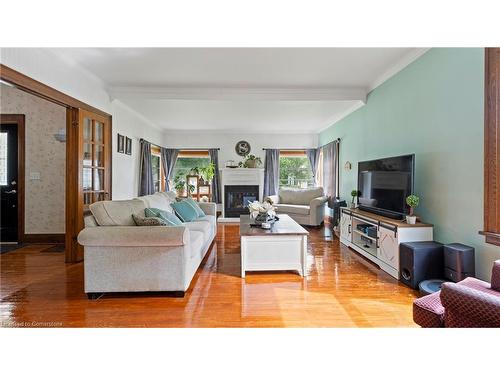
(281, 248)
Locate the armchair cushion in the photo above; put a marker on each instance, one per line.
(469, 307)
(299, 196)
(292, 209)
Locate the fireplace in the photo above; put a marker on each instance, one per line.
(237, 198)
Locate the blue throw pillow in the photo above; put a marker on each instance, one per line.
(185, 211)
(166, 216)
(196, 206)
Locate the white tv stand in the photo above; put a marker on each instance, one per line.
(383, 249)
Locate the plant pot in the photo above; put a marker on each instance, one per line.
(180, 193)
(411, 219)
(352, 205)
(251, 163)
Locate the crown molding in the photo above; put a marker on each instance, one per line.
(397, 67)
(239, 93)
(341, 116)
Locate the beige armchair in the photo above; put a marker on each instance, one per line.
(305, 206)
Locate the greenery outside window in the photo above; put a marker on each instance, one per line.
(186, 161)
(295, 169)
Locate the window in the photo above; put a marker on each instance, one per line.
(186, 161)
(295, 170)
(158, 180)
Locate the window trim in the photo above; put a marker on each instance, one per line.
(156, 151)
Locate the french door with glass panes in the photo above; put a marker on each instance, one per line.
(89, 151)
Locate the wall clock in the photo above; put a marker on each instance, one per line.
(242, 148)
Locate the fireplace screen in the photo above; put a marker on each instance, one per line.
(237, 198)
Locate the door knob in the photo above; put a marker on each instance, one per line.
(11, 192)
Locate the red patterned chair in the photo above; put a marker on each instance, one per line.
(469, 303)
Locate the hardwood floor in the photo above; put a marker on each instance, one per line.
(341, 289)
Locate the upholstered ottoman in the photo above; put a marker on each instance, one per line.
(428, 312)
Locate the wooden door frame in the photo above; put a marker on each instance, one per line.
(18, 120)
(72, 105)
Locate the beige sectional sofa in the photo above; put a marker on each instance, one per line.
(305, 206)
(122, 257)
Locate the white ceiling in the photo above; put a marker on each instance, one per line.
(270, 90)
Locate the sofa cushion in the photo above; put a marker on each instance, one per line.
(299, 196)
(201, 226)
(157, 200)
(196, 206)
(208, 218)
(196, 243)
(292, 209)
(143, 221)
(428, 311)
(185, 211)
(108, 213)
(168, 217)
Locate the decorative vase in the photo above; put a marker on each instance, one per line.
(261, 218)
(251, 163)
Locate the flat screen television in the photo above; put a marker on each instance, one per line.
(384, 184)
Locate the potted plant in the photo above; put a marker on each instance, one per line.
(191, 189)
(180, 185)
(251, 161)
(412, 201)
(354, 194)
(207, 173)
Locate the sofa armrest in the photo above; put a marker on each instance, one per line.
(471, 304)
(134, 236)
(495, 276)
(274, 198)
(209, 208)
(316, 202)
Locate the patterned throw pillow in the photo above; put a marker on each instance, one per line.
(166, 216)
(196, 206)
(142, 221)
(185, 211)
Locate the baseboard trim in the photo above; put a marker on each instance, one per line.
(56, 238)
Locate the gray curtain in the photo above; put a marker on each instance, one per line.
(330, 170)
(271, 172)
(313, 156)
(168, 159)
(145, 170)
(216, 188)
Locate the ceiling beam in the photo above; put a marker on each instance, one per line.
(240, 93)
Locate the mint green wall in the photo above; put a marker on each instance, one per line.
(434, 109)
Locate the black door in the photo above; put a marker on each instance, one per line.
(8, 182)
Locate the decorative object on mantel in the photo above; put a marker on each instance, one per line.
(121, 144)
(354, 194)
(231, 164)
(242, 148)
(412, 201)
(347, 166)
(262, 213)
(251, 161)
(128, 146)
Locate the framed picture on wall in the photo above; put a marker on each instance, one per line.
(121, 144)
(128, 146)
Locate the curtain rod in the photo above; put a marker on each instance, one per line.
(184, 148)
(288, 149)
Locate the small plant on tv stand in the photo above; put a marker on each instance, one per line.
(412, 201)
(354, 194)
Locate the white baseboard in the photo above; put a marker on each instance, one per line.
(228, 220)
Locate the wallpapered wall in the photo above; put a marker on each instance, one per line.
(45, 198)
(434, 109)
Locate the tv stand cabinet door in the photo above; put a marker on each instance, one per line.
(388, 247)
(345, 227)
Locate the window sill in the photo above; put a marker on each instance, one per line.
(491, 238)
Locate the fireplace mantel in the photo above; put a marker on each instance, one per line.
(240, 176)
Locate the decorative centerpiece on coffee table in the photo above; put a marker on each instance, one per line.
(262, 213)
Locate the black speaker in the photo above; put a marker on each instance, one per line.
(458, 262)
(420, 261)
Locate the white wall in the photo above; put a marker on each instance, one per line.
(63, 75)
(227, 141)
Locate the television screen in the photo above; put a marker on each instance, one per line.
(384, 184)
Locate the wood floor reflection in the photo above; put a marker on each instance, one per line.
(341, 289)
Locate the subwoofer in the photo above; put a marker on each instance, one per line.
(420, 261)
(458, 262)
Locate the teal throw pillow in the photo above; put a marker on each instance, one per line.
(166, 216)
(185, 211)
(196, 206)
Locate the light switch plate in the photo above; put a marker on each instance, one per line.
(34, 175)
